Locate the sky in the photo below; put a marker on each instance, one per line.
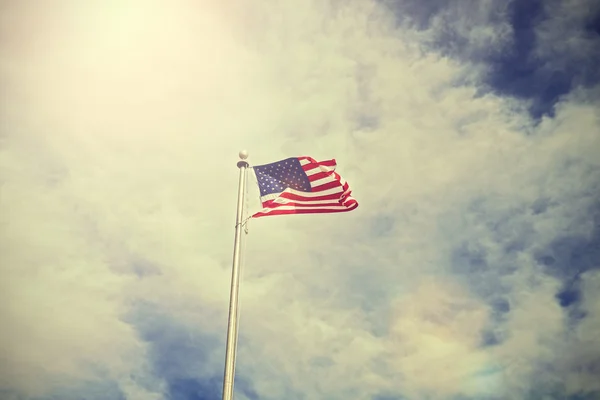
(469, 133)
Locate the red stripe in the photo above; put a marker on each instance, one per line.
(312, 160)
(339, 178)
(273, 204)
(291, 196)
(302, 211)
(318, 175)
(308, 167)
(326, 186)
(328, 163)
(314, 164)
(347, 202)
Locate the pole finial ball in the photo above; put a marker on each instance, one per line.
(243, 154)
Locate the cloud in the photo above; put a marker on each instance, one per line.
(535, 51)
(120, 132)
(435, 340)
(567, 38)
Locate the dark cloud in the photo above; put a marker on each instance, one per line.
(194, 389)
(179, 355)
(484, 268)
(567, 258)
(388, 397)
(537, 62)
(189, 361)
(88, 390)
(558, 391)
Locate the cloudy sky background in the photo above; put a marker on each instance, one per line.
(469, 132)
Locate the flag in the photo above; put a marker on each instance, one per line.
(301, 185)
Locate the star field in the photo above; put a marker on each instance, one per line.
(278, 176)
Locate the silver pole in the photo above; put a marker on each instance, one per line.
(232, 324)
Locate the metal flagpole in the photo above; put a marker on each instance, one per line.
(232, 324)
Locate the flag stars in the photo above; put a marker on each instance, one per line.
(280, 176)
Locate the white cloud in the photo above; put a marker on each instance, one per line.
(118, 149)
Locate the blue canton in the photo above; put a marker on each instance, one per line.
(280, 175)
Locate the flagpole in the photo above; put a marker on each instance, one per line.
(232, 324)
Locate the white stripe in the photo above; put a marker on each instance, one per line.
(283, 200)
(312, 171)
(319, 182)
(318, 168)
(325, 168)
(288, 208)
(273, 196)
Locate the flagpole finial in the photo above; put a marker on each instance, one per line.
(243, 154)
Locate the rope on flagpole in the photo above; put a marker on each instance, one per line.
(247, 219)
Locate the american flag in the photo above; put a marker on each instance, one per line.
(302, 185)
